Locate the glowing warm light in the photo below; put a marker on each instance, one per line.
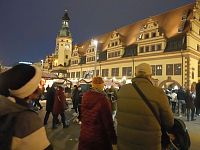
(95, 42)
(124, 78)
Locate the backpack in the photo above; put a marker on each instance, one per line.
(182, 138)
(6, 130)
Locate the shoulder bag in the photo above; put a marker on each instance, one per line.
(165, 139)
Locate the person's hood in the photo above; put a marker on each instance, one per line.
(8, 105)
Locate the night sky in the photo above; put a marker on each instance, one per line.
(28, 28)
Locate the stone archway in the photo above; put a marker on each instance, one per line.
(168, 82)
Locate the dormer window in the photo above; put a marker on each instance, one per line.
(158, 47)
(153, 34)
(147, 48)
(153, 48)
(198, 47)
(142, 49)
(146, 36)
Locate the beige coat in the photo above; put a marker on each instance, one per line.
(138, 129)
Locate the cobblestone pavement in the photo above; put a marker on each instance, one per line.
(67, 139)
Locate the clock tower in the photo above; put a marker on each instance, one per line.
(64, 42)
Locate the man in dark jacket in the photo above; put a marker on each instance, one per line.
(181, 96)
(197, 100)
(190, 108)
(49, 102)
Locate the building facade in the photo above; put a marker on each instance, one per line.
(169, 42)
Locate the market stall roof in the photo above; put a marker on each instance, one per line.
(85, 81)
(59, 69)
(49, 75)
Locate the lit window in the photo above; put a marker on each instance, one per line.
(177, 69)
(169, 69)
(104, 72)
(115, 72)
(158, 70)
(126, 71)
(72, 74)
(77, 74)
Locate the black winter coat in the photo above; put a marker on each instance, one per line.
(50, 99)
(189, 101)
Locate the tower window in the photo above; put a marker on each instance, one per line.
(66, 56)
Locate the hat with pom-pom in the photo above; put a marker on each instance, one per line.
(21, 80)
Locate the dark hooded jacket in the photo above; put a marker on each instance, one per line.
(50, 98)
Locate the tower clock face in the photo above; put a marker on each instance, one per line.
(67, 46)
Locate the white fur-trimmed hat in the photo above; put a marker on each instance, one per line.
(144, 69)
(22, 80)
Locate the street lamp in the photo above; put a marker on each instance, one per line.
(95, 43)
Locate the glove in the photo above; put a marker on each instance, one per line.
(114, 147)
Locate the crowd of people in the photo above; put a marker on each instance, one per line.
(184, 102)
(98, 110)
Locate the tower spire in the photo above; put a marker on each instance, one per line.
(64, 31)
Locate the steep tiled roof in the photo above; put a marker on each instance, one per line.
(169, 22)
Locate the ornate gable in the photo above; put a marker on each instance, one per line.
(91, 51)
(115, 47)
(115, 40)
(75, 59)
(151, 38)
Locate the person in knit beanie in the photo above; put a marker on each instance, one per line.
(97, 129)
(98, 83)
(137, 127)
(18, 85)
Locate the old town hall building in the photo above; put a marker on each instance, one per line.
(169, 42)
